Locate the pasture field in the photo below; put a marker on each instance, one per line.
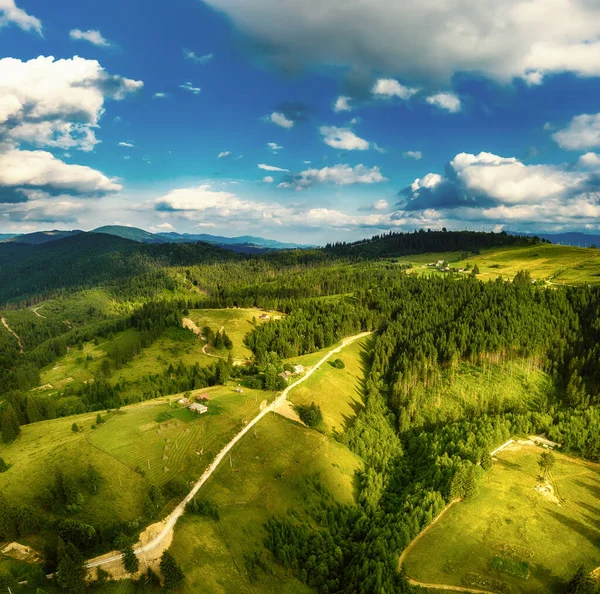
(337, 391)
(44, 447)
(555, 264)
(237, 322)
(538, 538)
(162, 440)
(269, 474)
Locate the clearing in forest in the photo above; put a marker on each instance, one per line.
(512, 536)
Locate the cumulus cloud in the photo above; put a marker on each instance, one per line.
(416, 155)
(274, 147)
(487, 187)
(10, 14)
(56, 103)
(447, 101)
(343, 138)
(162, 228)
(589, 161)
(40, 169)
(427, 40)
(387, 88)
(268, 179)
(190, 55)
(280, 119)
(92, 35)
(270, 168)
(209, 207)
(342, 103)
(224, 155)
(190, 88)
(381, 205)
(341, 175)
(583, 132)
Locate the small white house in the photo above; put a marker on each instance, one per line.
(298, 368)
(183, 402)
(198, 408)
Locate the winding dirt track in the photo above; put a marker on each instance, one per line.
(5, 323)
(169, 522)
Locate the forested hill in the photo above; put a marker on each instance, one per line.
(87, 259)
(421, 241)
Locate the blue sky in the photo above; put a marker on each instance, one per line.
(303, 121)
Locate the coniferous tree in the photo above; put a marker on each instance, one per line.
(10, 426)
(172, 574)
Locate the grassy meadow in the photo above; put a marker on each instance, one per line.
(44, 447)
(268, 474)
(163, 440)
(237, 322)
(509, 519)
(337, 391)
(555, 264)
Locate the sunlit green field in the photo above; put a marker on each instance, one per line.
(237, 322)
(267, 476)
(43, 448)
(337, 391)
(554, 264)
(163, 441)
(510, 519)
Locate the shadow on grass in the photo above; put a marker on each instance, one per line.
(357, 403)
(586, 531)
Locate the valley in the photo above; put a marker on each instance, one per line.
(343, 398)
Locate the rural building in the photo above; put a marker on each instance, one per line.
(285, 375)
(440, 263)
(183, 402)
(298, 368)
(198, 408)
(204, 396)
(239, 390)
(264, 316)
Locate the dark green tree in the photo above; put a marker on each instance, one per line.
(546, 462)
(70, 572)
(581, 583)
(130, 561)
(172, 574)
(10, 425)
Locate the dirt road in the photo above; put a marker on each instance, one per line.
(165, 534)
(5, 323)
(36, 311)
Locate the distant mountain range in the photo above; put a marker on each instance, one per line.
(246, 244)
(574, 239)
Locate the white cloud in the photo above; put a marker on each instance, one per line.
(342, 104)
(378, 148)
(209, 207)
(270, 168)
(448, 101)
(40, 207)
(268, 179)
(224, 155)
(490, 188)
(341, 175)
(427, 40)
(416, 155)
(387, 88)
(280, 119)
(381, 205)
(190, 55)
(159, 95)
(10, 14)
(583, 132)
(343, 138)
(589, 161)
(273, 146)
(162, 228)
(56, 103)
(190, 88)
(92, 35)
(127, 144)
(40, 169)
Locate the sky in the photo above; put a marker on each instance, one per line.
(307, 121)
